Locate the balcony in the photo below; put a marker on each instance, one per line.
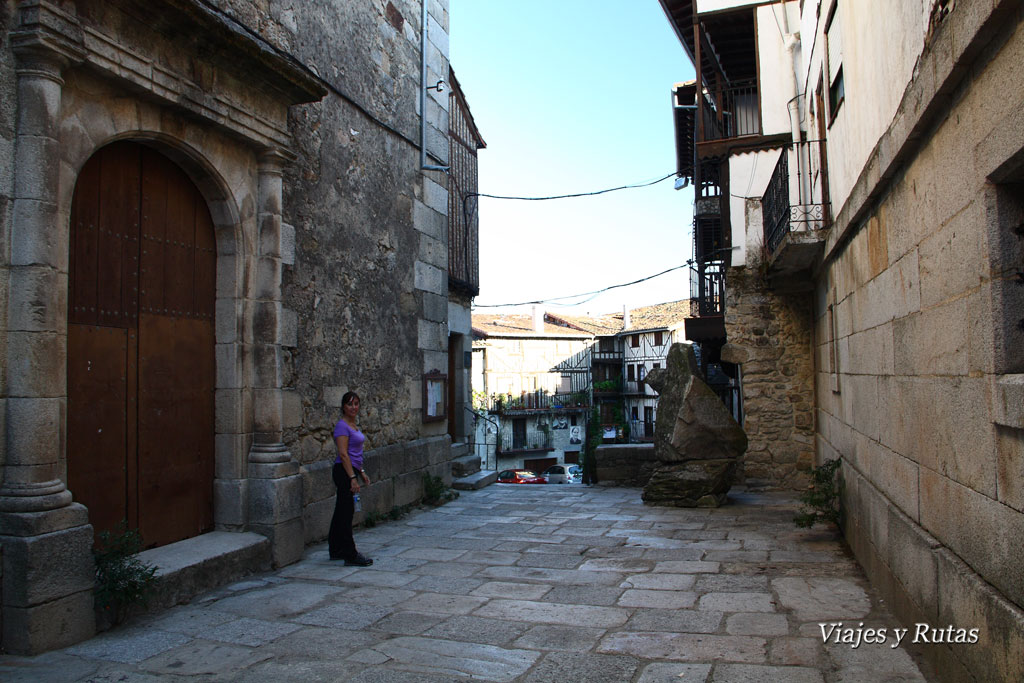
(536, 401)
(605, 356)
(796, 215)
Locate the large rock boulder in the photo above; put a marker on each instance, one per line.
(697, 443)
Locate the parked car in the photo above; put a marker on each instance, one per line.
(575, 474)
(557, 474)
(519, 477)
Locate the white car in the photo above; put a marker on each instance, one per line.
(557, 474)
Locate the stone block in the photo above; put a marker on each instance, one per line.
(317, 481)
(33, 363)
(435, 308)
(435, 196)
(37, 160)
(232, 453)
(287, 540)
(976, 528)
(39, 300)
(1008, 401)
(34, 431)
(430, 221)
(430, 278)
(228, 315)
(267, 281)
(49, 626)
(432, 336)
(911, 558)
(229, 366)
(233, 414)
(31, 524)
(316, 520)
(47, 567)
(967, 601)
(274, 501)
(288, 328)
(1010, 467)
(287, 244)
(267, 412)
(932, 342)
(408, 488)
(230, 502)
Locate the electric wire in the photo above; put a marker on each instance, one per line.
(577, 194)
(592, 295)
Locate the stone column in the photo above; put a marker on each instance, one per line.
(275, 486)
(48, 572)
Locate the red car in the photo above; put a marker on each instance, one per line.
(520, 477)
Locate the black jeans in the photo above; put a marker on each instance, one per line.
(339, 538)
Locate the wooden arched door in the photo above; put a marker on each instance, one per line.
(141, 367)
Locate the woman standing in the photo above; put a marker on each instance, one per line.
(348, 468)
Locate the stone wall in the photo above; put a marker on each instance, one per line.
(365, 287)
(917, 328)
(770, 338)
(396, 479)
(625, 464)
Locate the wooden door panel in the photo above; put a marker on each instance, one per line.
(176, 370)
(97, 422)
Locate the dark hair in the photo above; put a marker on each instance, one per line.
(349, 397)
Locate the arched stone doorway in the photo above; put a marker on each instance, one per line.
(141, 367)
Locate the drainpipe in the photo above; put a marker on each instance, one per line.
(791, 41)
(423, 94)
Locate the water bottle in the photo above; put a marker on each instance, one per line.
(356, 503)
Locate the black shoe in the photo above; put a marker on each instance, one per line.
(359, 560)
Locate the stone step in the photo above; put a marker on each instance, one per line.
(196, 565)
(460, 449)
(465, 466)
(476, 481)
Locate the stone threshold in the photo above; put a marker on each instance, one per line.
(188, 568)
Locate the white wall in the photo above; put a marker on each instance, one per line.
(778, 66)
(881, 45)
(748, 177)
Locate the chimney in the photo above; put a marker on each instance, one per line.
(538, 319)
(625, 317)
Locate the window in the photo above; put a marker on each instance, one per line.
(834, 63)
(606, 344)
(519, 433)
(1007, 255)
(635, 412)
(631, 373)
(634, 340)
(833, 342)
(658, 341)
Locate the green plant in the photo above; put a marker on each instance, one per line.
(122, 579)
(372, 519)
(435, 492)
(821, 499)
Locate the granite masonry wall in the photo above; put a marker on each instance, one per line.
(770, 338)
(919, 346)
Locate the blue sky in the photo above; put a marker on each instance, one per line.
(574, 96)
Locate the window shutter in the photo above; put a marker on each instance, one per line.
(835, 48)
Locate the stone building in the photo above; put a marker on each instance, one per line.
(858, 170)
(216, 218)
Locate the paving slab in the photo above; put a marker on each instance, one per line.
(539, 584)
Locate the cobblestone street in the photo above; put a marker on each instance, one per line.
(525, 583)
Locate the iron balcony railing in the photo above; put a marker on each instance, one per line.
(707, 287)
(796, 200)
(536, 400)
(730, 112)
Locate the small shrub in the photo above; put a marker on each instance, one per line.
(821, 500)
(122, 579)
(435, 492)
(371, 519)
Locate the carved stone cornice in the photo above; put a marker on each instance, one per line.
(48, 39)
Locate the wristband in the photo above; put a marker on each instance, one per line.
(354, 477)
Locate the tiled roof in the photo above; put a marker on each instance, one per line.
(598, 325)
(660, 316)
(519, 325)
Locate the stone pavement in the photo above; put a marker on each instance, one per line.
(525, 583)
